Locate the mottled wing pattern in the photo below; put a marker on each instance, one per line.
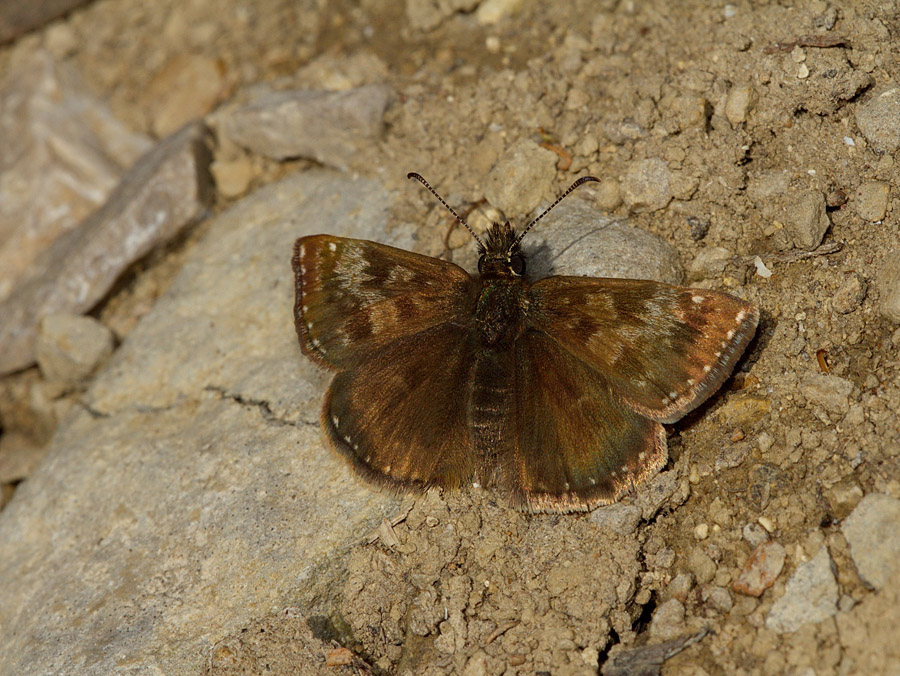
(399, 428)
(354, 296)
(663, 349)
(576, 444)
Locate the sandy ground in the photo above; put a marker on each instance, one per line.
(752, 113)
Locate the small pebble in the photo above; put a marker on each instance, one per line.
(807, 220)
(761, 569)
(828, 391)
(521, 179)
(850, 294)
(739, 103)
(754, 534)
(646, 185)
(668, 620)
(878, 119)
(701, 531)
(889, 286)
(70, 347)
(871, 200)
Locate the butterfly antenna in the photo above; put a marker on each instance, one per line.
(421, 180)
(583, 179)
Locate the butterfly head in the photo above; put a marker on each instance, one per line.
(501, 255)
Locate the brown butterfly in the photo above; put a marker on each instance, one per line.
(554, 390)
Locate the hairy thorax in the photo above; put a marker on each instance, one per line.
(500, 313)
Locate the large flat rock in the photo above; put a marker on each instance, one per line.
(195, 493)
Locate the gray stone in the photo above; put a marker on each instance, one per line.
(850, 294)
(578, 240)
(522, 177)
(871, 200)
(828, 391)
(621, 518)
(754, 534)
(668, 620)
(879, 119)
(701, 565)
(873, 533)
(656, 493)
(62, 154)
(647, 185)
(806, 219)
(166, 190)
(70, 347)
(328, 127)
(889, 286)
(811, 595)
(198, 490)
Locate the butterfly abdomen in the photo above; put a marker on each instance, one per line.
(491, 397)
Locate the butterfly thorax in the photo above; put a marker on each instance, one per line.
(499, 312)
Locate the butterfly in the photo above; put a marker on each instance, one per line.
(555, 390)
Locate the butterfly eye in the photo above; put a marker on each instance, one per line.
(517, 264)
(481, 263)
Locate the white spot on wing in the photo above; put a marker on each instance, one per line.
(332, 246)
(697, 299)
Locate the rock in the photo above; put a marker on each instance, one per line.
(709, 263)
(63, 153)
(739, 103)
(762, 187)
(578, 240)
(828, 391)
(621, 518)
(873, 533)
(879, 119)
(718, 598)
(668, 620)
(491, 12)
(426, 14)
(521, 179)
(680, 586)
(755, 535)
(210, 381)
(871, 200)
(761, 570)
(655, 493)
(647, 659)
(850, 294)
(889, 286)
(701, 565)
(17, 18)
(70, 347)
(811, 595)
(328, 127)
(646, 186)
(609, 196)
(167, 189)
(868, 632)
(807, 220)
(232, 177)
(186, 88)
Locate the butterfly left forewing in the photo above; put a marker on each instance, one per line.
(354, 296)
(664, 348)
